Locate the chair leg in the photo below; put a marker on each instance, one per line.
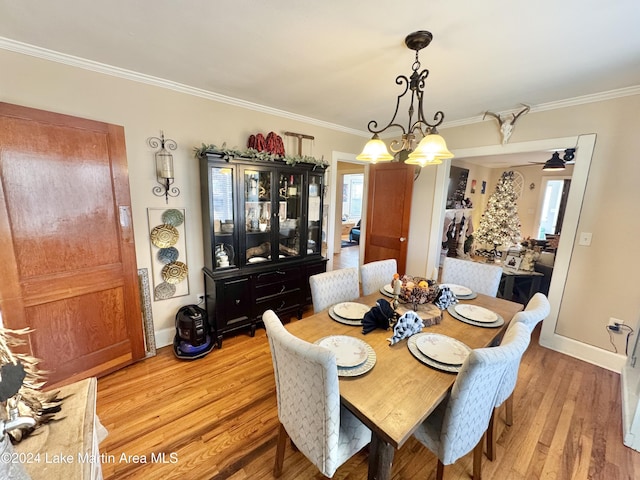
(509, 410)
(491, 437)
(280, 446)
(477, 460)
(440, 471)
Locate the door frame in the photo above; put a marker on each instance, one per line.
(585, 144)
(336, 157)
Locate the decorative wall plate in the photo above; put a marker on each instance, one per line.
(174, 272)
(173, 217)
(168, 255)
(163, 236)
(164, 290)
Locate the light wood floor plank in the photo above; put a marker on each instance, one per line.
(218, 414)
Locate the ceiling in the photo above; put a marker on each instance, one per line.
(336, 61)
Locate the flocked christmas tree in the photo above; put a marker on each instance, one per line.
(500, 224)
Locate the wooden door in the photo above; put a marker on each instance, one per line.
(68, 258)
(388, 212)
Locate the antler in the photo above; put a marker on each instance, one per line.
(495, 115)
(523, 111)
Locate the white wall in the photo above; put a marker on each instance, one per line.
(144, 110)
(599, 283)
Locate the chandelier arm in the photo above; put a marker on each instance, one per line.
(400, 79)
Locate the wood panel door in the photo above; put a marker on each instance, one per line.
(388, 212)
(68, 257)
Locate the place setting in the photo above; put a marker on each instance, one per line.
(460, 291)
(439, 351)
(353, 356)
(475, 315)
(349, 313)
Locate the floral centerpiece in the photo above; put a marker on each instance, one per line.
(417, 290)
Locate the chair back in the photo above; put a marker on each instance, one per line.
(308, 394)
(328, 288)
(375, 275)
(474, 392)
(479, 277)
(536, 310)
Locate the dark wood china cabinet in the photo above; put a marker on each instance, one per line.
(262, 227)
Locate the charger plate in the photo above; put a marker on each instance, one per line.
(476, 313)
(415, 351)
(351, 310)
(442, 348)
(458, 290)
(498, 323)
(361, 369)
(346, 321)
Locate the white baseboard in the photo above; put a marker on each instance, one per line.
(588, 353)
(164, 337)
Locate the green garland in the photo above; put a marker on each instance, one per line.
(253, 154)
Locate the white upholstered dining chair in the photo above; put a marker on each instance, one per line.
(328, 288)
(479, 277)
(458, 424)
(309, 407)
(375, 275)
(536, 310)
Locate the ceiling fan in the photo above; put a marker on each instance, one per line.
(556, 162)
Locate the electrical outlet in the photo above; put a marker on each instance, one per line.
(615, 321)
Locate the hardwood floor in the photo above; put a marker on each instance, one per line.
(216, 418)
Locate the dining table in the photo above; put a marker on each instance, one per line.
(399, 392)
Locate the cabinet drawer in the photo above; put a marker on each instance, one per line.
(278, 288)
(235, 300)
(275, 276)
(279, 303)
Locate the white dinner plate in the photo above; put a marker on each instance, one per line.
(257, 260)
(388, 288)
(458, 290)
(350, 351)
(476, 313)
(443, 349)
(351, 310)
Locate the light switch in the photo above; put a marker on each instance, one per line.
(585, 238)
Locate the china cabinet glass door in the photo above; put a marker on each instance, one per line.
(314, 232)
(258, 215)
(225, 245)
(289, 213)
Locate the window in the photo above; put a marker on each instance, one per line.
(553, 205)
(352, 196)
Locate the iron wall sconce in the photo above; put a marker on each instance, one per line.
(164, 167)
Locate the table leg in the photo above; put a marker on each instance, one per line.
(380, 459)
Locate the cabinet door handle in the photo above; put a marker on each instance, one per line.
(281, 305)
(283, 289)
(237, 301)
(280, 273)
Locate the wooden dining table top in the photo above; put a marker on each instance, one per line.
(400, 392)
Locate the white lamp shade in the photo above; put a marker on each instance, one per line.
(375, 151)
(431, 150)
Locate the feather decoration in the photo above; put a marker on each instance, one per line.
(29, 401)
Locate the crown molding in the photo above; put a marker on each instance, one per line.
(569, 102)
(51, 55)
(46, 54)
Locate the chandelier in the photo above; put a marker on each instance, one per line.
(432, 148)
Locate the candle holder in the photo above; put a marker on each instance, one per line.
(164, 167)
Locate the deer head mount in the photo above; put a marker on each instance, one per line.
(507, 125)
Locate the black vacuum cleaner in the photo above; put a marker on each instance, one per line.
(193, 334)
